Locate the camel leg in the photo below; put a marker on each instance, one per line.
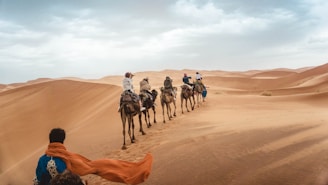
(168, 110)
(198, 99)
(145, 114)
(193, 105)
(163, 112)
(175, 108)
(140, 124)
(187, 103)
(154, 111)
(140, 117)
(131, 127)
(148, 116)
(133, 138)
(190, 103)
(123, 117)
(182, 105)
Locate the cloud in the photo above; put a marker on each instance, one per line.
(202, 14)
(94, 38)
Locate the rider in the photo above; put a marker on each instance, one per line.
(145, 87)
(128, 88)
(185, 80)
(199, 79)
(168, 85)
(198, 76)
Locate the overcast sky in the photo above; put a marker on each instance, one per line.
(97, 38)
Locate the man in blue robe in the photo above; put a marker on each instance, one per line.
(48, 166)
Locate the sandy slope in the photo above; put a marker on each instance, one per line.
(237, 137)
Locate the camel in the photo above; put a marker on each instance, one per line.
(198, 92)
(128, 110)
(186, 94)
(148, 103)
(166, 99)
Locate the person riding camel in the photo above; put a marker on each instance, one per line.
(185, 80)
(145, 87)
(199, 79)
(168, 85)
(128, 88)
(198, 76)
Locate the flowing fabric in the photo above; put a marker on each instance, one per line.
(110, 169)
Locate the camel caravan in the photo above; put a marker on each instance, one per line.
(132, 104)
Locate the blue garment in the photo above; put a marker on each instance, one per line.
(204, 93)
(42, 174)
(185, 80)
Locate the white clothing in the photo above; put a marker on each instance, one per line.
(198, 76)
(127, 84)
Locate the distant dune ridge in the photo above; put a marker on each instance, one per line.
(255, 127)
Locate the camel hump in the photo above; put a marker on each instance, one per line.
(146, 95)
(167, 91)
(129, 97)
(199, 88)
(185, 86)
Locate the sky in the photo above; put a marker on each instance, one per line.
(92, 39)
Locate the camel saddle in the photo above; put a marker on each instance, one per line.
(127, 96)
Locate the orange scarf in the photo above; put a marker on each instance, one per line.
(110, 169)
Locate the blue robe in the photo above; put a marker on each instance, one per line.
(42, 174)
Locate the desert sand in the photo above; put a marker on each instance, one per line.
(259, 127)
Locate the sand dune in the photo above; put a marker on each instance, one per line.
(273, 74)
(239, 136)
